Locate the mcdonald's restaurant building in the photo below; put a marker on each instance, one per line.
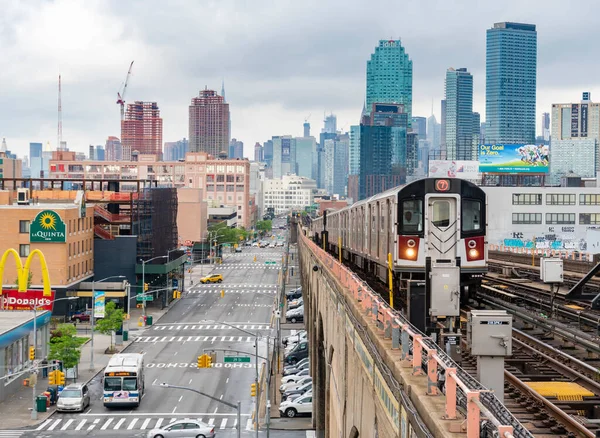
(63, 232)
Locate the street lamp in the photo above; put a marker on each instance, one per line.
(34, 410)
(144, 279)
(92, 315)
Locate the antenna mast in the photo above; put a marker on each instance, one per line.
(59, 133)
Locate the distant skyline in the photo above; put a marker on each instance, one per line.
(280, 60)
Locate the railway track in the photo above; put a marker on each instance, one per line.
(577, 266)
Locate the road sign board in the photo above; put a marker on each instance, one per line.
(270, 263)
(144, 298)
(236, 359)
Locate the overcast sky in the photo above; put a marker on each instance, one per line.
(281, 60)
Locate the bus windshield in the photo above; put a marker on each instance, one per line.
(130, 384)
(112, 383)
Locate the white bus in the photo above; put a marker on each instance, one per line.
(124, 380)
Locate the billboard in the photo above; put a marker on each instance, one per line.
(12, 299)
(47, 227)
(513, 158)
(453, 169)
(99, 302)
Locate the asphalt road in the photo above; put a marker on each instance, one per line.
(171, 347)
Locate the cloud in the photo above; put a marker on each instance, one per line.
(281, 59)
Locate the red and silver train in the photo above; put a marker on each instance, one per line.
(427, 223)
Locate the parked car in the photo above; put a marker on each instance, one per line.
(298, 390)
(81, 316)
(238, 249)
(293, 293)
(295, 315)
(298, 353)
(294, 339)
(74, 397)
(271, 245)
(181, 428)
(295, 377)
(293, 397)
(300, 406)
(298, 384)
(293, 369)
(296, 303)
(214, 278)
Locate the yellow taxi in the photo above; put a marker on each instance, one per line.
(214, 278)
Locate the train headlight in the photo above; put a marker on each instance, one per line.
(408, 248)
(411, 243)
(410, 253)
(475, 248)
(473, 253)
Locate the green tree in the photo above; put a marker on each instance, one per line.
(264, 226)
(29, 277)
(112, 321)
(65, 345)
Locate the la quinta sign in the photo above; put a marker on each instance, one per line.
(47, 227)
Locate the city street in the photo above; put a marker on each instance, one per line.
(194, 325)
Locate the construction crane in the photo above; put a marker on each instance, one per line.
(121, 94)
(306, 118)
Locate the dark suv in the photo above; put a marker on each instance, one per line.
(299, 352)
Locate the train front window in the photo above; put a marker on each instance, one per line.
(441, 214)
(412, 218)
(471, 215)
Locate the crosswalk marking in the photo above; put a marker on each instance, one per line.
(208, 327)
(260, 286)
(67, 424)
(132, 423)
(11, 433)
(231, 291)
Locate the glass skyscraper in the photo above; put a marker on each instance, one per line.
(459, 115)
(389, 76)
(510, 86)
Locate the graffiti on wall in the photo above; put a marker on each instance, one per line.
(563, 240)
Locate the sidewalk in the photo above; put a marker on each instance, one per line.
(16, 410)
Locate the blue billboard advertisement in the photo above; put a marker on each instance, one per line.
(513, 158)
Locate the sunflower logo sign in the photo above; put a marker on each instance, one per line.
(47, 227)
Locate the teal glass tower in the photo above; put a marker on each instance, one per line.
(389, 76)
(510, 86)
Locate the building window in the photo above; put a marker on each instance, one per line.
(560, 218)
(589, 218)
(527, 218)
(69, 272)
(23, 227)
(560, 199)
(230, 178)
(220, 178)
(527, 199)
(589, 199)
(23, 250)
(230, 187)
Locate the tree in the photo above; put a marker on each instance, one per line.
(29, 277)
(112, 321)
(264, 226)
(65, 345)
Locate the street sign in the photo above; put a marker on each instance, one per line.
(236, 359)
(144, 298)
(270, 263)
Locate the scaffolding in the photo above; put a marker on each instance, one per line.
(155, 222)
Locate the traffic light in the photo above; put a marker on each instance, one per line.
(253, 390)
(60, 378)
(222, 293)
(52, 377)
(32, 353)
(145, 287)
(208, 361)
(202, 361)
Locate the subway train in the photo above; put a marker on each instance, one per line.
(427, 226)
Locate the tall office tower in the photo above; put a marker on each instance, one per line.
(99, 153)
(433, 133)
(306, 127)
(330, 124)
(546, 126)
(284, 156)
(236, 149)
(268, 152)
(319, 159)
(393, 115)
(306, 148)
(92, 153)
(419, 127)
(141, 130)
(35, 150)
(459, 114)
(354, 150)
(209, 123)
(114, 149)
(336, 164)
(258, 153)
(36, 160)
(510, 86)
(475, 135)
(389, 76)
(482, 133)
(176, 150)
(442, 151)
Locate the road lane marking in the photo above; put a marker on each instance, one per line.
(211, 422)
(121, 421)
(106, 424)
(158, 423)
(132, 424)
(145, 423)
(174, 409)
(44, 424)
(67, 424)
(80, 425)
(180, 398)
(226, 381)
(54, 424)
(91, 426)
(223, 423)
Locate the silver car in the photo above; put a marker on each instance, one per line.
(75, 397)
(184, 428)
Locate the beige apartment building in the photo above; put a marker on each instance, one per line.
(68, 231)
(223, 182)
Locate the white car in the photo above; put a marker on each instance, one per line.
(191, 428)
(292, 386)
(300, 406)
(295, 377)
(294, 339)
